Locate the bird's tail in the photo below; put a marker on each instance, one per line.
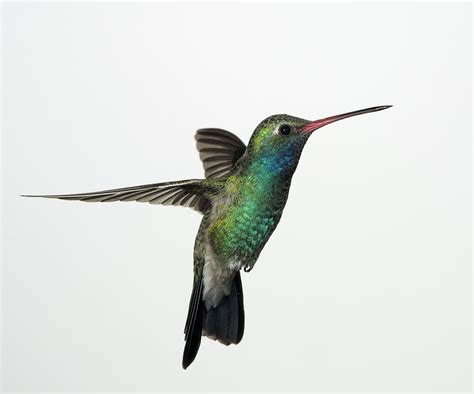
(224, 323)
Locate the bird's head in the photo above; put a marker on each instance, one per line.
(279, 139)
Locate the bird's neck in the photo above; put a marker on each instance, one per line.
(265, 178)
(271, 168)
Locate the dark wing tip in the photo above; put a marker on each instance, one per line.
(39, 196)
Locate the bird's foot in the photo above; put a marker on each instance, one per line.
(249, 266)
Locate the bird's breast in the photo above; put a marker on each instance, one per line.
(241, 221)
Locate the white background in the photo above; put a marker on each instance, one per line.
(365, 285)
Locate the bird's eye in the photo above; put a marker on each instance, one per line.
(284, 129)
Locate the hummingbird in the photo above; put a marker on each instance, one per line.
(241, 199)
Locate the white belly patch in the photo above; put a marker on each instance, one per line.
(217, 277)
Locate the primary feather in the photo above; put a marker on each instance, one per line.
(190, 193)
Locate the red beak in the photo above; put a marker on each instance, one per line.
(317, 124)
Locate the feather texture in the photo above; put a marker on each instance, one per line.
(219, 150)
(189, 193)
(193, 329)
(225, 322)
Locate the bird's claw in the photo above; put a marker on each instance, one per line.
(249, 267)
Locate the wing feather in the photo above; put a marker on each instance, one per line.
(190, 193)
(219, 150)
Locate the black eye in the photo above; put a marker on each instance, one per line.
(284, 129)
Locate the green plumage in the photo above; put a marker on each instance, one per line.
(254, 193)
(242, 200)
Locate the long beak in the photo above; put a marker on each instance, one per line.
(317, 124)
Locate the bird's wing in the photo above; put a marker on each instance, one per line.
(190, 193)
(219, 150)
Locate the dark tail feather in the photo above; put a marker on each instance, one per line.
(193, 328)
(240, 300)
(226, 322)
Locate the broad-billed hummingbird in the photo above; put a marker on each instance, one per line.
(241, 198)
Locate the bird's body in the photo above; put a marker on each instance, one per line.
(242, 200)
(242, 218)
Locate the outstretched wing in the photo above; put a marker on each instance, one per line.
(190, 193)
(219, 150)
